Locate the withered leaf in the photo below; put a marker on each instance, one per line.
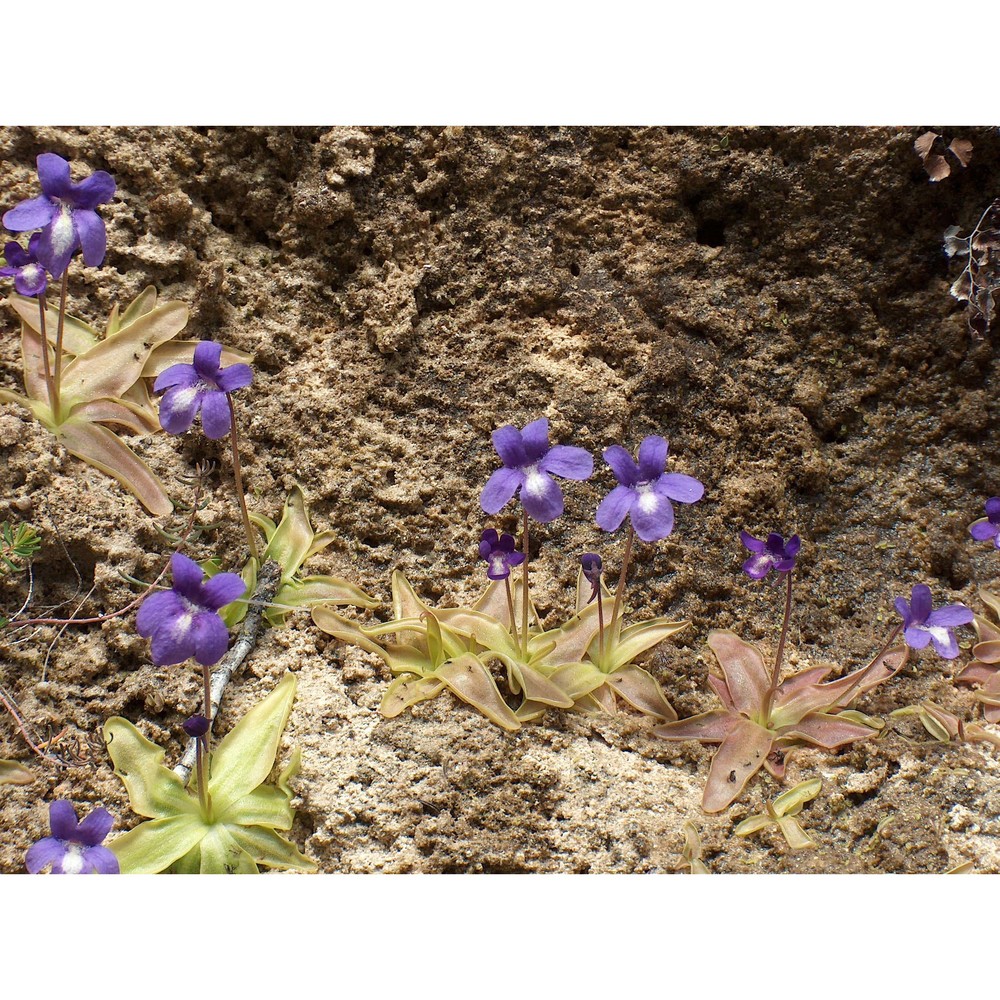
(962, 149)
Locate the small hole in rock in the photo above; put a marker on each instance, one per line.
(711, 233)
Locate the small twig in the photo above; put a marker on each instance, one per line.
(253, 626)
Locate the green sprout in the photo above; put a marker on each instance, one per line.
(691, 851)
(290, 543)
(234, 827)
(782, 812)
(18, 545)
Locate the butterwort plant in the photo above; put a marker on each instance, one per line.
(764, 718)
(207, 388)
(530, 465)
(77, 380)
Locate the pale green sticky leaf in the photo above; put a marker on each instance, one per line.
(155, 845)
(12, 773)
(268, 848)
(753, 824)
(796, 838)
(791, 802)
(246, 755)
(78, 336)
(153, 790)
(111, 367)
(104, 450)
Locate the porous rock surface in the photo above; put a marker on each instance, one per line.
(773, 301)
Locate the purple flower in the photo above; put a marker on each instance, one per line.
(65, 214)
(74, 847)
(22, 265)
(529, 465)
(592, 567)
(184, 621)
(645, 490)
(775, 553)
(985, 527)
(196, 726)
(499, 553)
(202, 386)
(922, 625)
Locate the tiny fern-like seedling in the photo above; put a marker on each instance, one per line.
(232, 829)
(290, 543)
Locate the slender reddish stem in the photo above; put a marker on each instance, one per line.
(237, 475)
(510, 608)
(57, 376)
(620, 592)
(776, 673)
(524, 595)
(50, 386)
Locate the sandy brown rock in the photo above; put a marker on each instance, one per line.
(776, 305)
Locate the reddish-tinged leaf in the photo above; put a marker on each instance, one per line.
(743, 666)
(718, 685)
(709, 727)
(97, 446)
(471, 681)
(988, 651)
(827, 731)
(641, 691)
(740, 757)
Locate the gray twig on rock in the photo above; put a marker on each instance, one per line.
(253, 625)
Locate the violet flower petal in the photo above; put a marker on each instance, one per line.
(53, 175)
(758, 565)
(94, 827)
(211, 638)
(509, 446)
(31, 214)
(993, 509)
(903, 609)
(222, 589)
(945, 642)
(176, 375)
(499, 488)
(215, 415)
(541, 497)
(49, 851)
(92, 236)
(677, 486)
(622, 465)
(652, 457)
(920, 603)
(92, 191)
(950, 616)
(178, 408)
(59, 241)
(237, 376)
(173, 642)
(187, 576)
(535, 438)
(916, 637)
(16, 256)
(157, 609)
(100, 861)
(614, 508)
(652, 516)
(983, 529)
(753, 544)
(206, 359)
(568, 461)
(62, 819)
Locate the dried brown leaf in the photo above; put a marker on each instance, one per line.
(962, 149)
